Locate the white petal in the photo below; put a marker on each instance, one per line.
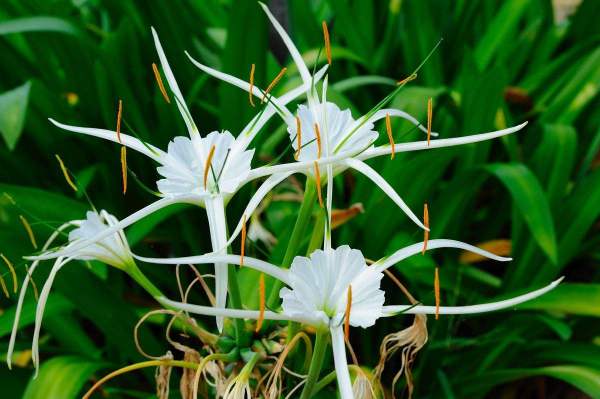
(128, 141)
(183, 109)
(302, 68)
(224, 312)
(414, 249)
(253, 263)
(254, 202)
(257, 92)
(385, 186)
(472, 309)
(13, 334)
(422, 145)
(400, 114)
(134, 217)
(215, 210)
(340, 362)
(39, 313)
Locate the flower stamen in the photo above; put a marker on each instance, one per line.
(298, 137)
(66, 173)
(347, 313)
(12, 272)
(261, 291)
(250, 95)
(124, 168)
(429, 117)
(36, 293)
(426, 232)
(273, 83)
(388, 128)
(436, 288)
(29, 231)
(3, 284)
(207, 164)
(119, 113)
(160, 83)
(318, 181)
(243, 245)
(327, 42)
(407, 79)
(318, 136)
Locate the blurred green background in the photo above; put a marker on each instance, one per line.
(501, 63)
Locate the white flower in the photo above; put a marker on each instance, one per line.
(319, 286)
(112, 250)
(317, 292)
(339, 123)
(184, 172)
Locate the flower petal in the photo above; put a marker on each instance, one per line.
(183, 109)
(224, 312)
(253, 263)
(423, 145)
(340, 362)
(397, 113)
(134, 217)
(481, 308)
(385, 186)
(257, 92)
(302, 68)
(131, 142)
(254, 202)
(414, 249)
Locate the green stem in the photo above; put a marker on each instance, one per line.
(135, 273)
(315, 364)
(242, 340)
(302, 221)
(323, 382)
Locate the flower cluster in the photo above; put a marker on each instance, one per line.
(332, 289)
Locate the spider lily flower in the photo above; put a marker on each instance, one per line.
(323, 133)
(204, 171)
(317, 293)
(112, 250)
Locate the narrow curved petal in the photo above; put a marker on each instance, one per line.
(472, 309)
(254, 202)
(392, 112)
(131, 142)
(19, 308)
(298, 167)
(224, 312)
(39, 313)
(414, 249)
(423, 145)
(296, 56)
(253, 263)
(181, 105)
(341, 364)
(257, 92)
(215, 211)
(385, 186)
(257, 123)
(134, 217)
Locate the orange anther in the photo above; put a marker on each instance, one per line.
(160, 83)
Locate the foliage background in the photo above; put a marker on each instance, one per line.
(501, 62)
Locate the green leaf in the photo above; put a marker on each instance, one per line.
(61, 378)
(529, 198)
(584, 378)
(13, 107)
(37, 24)
(575, 299)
